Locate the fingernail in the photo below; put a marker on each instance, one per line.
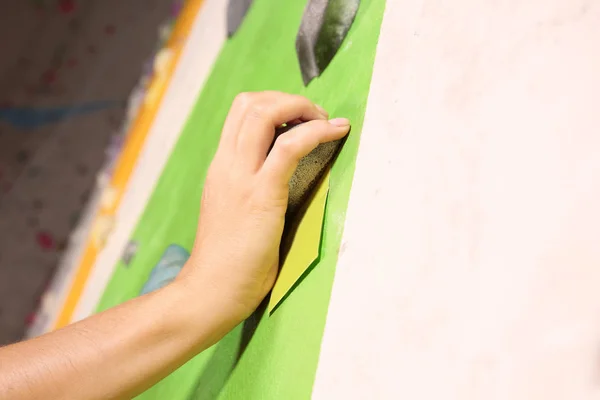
(322, 110)
(340, 122)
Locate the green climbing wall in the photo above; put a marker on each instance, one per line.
(268, 357)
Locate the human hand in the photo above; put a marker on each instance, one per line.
(236, 252)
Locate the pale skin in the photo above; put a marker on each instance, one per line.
(123, 351)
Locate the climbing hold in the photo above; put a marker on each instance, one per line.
(324, 26)
(129, 252)
(171, 262)
(309, 172)
(66, 6)
(236, 11)
(45, 240)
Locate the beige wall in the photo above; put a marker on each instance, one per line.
(470, 265)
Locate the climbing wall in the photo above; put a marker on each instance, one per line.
(468, 266)
(470, 263)
(271, 356)
(65, 77)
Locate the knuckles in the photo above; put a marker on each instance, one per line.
(263, 105)
(250, 105)
(286, 145)
(243, 100)
(319, 124)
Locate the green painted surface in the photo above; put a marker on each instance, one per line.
(270, 357)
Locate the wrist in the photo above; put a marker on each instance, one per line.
(198, 310)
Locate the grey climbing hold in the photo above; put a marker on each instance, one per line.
(129, 252)
(236, 11)
(324, 26)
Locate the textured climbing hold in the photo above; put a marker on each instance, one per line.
(236, 11)
(324, 26)
(309, 172)
(171, 262)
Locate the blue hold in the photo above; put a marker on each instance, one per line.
(31, 117)
(171, 262)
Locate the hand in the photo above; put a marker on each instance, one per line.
(236, 252)
(232, 267)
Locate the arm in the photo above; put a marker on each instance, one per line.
(117, 353)
(121, 352)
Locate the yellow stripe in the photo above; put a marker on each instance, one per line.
(113, 195)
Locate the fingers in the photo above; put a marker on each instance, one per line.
(262, 113)
(277, 108)
(234, 120)
(298, 142)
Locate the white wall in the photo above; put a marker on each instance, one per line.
(470, 265)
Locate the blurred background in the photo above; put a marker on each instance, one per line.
(72, 73)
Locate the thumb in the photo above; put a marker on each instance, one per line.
(291, 146)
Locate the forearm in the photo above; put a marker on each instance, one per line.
(234, 264)
(115, 354)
